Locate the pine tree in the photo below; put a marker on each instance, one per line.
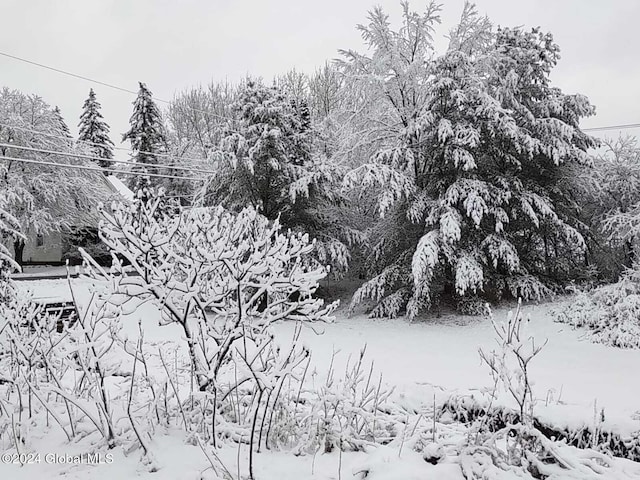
(147, 136)
(473, 190)
(266, 153)
(95, 131)
(62, 125)
(269, 162)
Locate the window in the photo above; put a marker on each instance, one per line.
(39, 240)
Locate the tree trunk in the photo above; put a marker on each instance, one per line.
(18, 248)
(630, 254)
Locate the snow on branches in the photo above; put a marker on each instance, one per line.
(43, 198)
(94, 131)
(221, 276)
(472, 179)
(269, 162)
(146, 134)
(9, 230)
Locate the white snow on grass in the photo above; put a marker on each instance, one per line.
(572, 377)
(441, 352)
(55, 289)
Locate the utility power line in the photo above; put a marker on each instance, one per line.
(105, 84)
(95, 158)
(89, 157)
(122, 89)
(96, 169)
(45, 134)
(612, 127)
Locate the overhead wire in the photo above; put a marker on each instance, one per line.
(105, 84)
(82, 77)
(612, 127)
(90, 157)
(96, 169)
(168, 102)
(84, 142)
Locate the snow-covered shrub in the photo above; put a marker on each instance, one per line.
(471, 306)
(483, 414)
(347, 412)
(60, 376)
(19, 336)
(510, 441)
(509, 364)
(89, 343)
(258, 404)
(65, 376)
(543, 458)
(610, 312)
(224, 278)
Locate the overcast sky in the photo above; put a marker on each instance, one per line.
(172, 45)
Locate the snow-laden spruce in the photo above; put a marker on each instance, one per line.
(471, 187)
(94, 131)
(147, 136)
(62, 125)
(269, 161)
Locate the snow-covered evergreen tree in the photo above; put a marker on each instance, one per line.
(95, 131)
(472, 186)
(147, 135)
(62, 125)
(268, 162)
(263, 153)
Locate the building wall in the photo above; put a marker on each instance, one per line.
(44, 249)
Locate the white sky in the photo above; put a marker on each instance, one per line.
(172, 45)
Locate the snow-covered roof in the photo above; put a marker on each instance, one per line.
(120, 187)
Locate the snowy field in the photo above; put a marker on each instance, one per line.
(573, 378)
(428, 164)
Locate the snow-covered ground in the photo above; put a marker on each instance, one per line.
(443, 352)
(572, 378)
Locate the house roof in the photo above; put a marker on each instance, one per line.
(118, 187)
(110, 189)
